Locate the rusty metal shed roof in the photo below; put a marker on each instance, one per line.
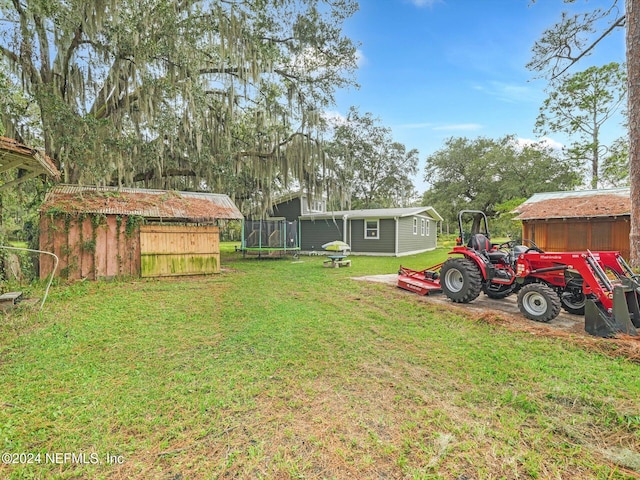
(17, 155)
(613, 202)
(197, 207)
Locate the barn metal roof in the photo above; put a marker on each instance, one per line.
(377, 213)
(198, 207)
(17, 155)
(613, 202)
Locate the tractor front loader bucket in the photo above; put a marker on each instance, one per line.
(624, 317)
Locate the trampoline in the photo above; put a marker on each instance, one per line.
(274, 237)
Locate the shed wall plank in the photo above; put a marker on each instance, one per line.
(179, 250)
(87, 258)
(102, 252)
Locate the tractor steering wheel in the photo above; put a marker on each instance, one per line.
(510, 244)
(533, 249)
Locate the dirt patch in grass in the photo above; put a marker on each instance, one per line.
(501, 313)
(620, 346)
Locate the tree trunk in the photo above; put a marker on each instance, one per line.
(595, 161)
(633, 85)
(594, 167)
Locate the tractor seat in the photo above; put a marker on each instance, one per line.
(479, 243)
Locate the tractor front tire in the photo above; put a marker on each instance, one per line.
(539, 302)
(460, 280)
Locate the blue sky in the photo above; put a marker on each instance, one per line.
(434, 69)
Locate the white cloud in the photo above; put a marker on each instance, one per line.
(334, 118)
(360, 58)
(425, 3)
(509, 92)
(545, 141)
(459, 126)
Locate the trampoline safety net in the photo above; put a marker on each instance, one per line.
(270, 235)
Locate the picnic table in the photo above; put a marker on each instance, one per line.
(336, 261)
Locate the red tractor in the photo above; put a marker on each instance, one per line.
(599, 285)
(483, 266)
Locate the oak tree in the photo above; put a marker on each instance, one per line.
(375, 170)
(185, 94)
(483, 173)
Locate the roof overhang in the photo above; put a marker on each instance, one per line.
(165, 205)
(374, 213)
(32, 161)
(431, 211)
(584, 217)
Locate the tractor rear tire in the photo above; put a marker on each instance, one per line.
(460, 280)
(539, 302)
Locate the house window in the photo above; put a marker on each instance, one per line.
(317, 206)
(415, 226)
(428, 226)
(372, 229)
(423, 227)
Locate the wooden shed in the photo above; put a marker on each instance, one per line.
(106, 232)
(579, 220)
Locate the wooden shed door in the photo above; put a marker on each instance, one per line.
(167, 250)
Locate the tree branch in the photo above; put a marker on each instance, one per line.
(230, 70)
(149, 175)
(255, 153)
(45, 55)
(618, 23)
(9, 55)
(24, 59)
(75, 43)
(114, 83)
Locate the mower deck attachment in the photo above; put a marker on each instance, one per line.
(421, 282)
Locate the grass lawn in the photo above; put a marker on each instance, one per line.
(284, 369)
